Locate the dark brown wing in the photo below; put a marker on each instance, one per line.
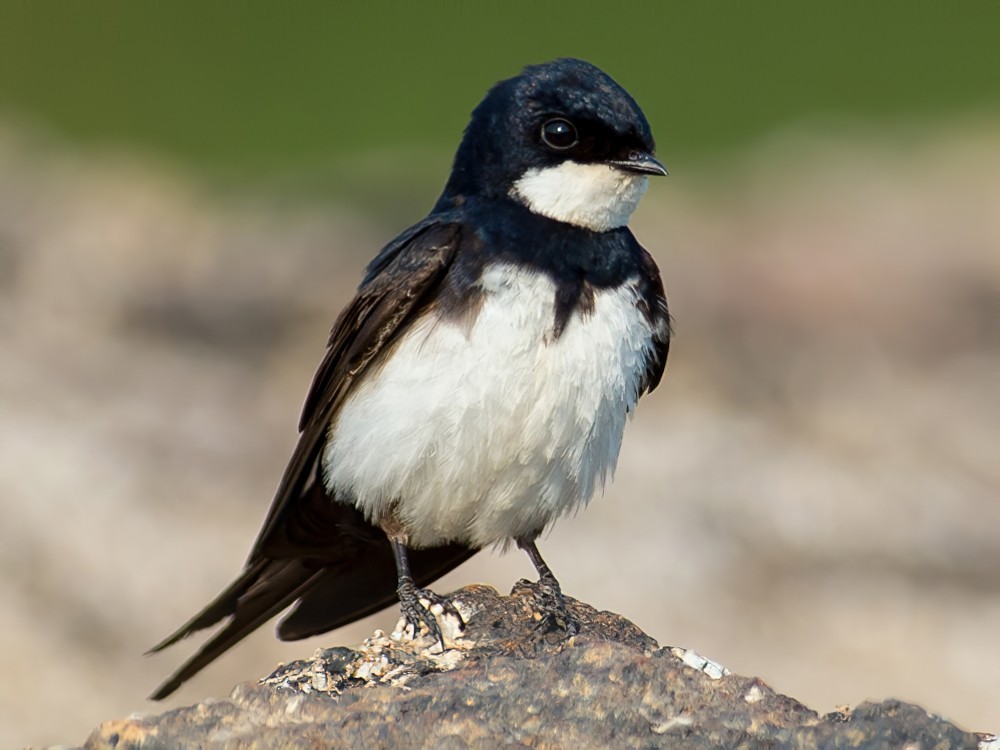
(311, 549)
(654, 307)
(399, 282)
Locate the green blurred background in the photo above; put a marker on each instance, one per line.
(264, 90)
(188, 193)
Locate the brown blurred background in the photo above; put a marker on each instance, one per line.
(188, 197)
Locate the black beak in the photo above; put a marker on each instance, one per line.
(639, 161)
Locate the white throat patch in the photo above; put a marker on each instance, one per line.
(594, 196)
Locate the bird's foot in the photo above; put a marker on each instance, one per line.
(552, 607)
(422, 607)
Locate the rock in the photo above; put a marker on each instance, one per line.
(512, 680)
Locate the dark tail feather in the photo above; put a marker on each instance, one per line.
(342, 595)
(261, 592)
(222, 606)
(323, 553)
(358, 575)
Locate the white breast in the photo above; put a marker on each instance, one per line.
(485, 434)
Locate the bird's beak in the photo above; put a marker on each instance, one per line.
(640, 161)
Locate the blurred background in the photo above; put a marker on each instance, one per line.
(189, 194)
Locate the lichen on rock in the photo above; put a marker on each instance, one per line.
(509, 680)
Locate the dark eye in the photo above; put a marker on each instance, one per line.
(559, 134)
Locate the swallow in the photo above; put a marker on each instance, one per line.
(477, 386)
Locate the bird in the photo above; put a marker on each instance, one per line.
(477, 386)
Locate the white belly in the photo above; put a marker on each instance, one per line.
(488, 433)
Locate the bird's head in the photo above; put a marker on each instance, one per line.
(562, 139)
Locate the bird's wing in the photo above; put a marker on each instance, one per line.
(395, 291)
(654, 307)
(312, 549)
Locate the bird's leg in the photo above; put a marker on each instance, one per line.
(410, 606)
(553, 606)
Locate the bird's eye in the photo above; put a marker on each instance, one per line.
(559, 134)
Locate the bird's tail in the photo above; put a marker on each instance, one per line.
(264, 589)
(323, 555)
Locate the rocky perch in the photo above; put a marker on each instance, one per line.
(507, 680)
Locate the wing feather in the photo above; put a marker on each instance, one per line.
(654, 307)
(407, 273)
(311, 549)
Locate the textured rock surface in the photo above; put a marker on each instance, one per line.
(509, 681)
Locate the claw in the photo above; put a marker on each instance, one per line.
(552, 607)
(443, 604)
(416, 613)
